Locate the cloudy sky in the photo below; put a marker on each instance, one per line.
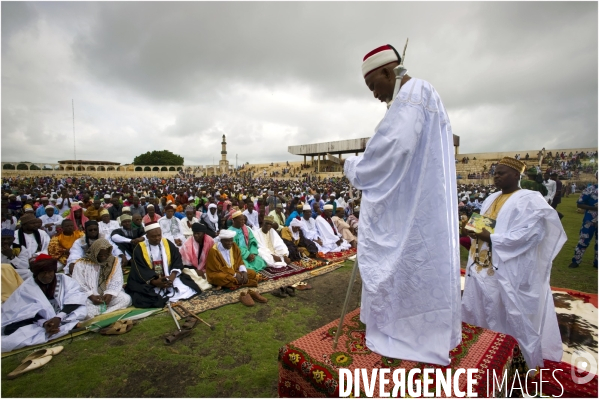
(176, 76)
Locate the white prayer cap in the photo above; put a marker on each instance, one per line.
(151, 226)
(150, 206)
(328, 206)
(307, 207)
(227, 234)
(106, 196)
(126, 209)
(243, 197)
(379, 57)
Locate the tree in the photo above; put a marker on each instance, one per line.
(163, 157)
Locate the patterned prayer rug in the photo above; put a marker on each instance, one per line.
(277, 273)
(214, 299)
(308, 367)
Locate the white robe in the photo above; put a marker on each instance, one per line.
(185, 229)
(28, 301)
(171, 229)
(21, 262)
(408, 250)
(108, 228)
(87, 274)
(329, 238)
(278, 244)
(182, 291)
(517, 299)
(55, 220)
(80, 247)
(252, 219)
(310, 231)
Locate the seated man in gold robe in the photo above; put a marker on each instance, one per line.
(225, 267)
(61, 244)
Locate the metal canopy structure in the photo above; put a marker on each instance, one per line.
(338, 148)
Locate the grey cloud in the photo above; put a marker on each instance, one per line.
(178, 75)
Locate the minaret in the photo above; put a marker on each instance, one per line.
(223, 163)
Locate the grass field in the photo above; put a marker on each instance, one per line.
(238, 359)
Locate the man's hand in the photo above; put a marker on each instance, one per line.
(243, 277)
(484, 235)
(319, 241)
(339, 242)
(286, 259)
(276, 258)
(137, 240)
(49, 226)
(7, 251)
(52, 326)
(107, 298)
(251, 257)
(96, 299)
(71, 268)
(161, 282)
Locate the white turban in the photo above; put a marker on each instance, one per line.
(227, 234)
(295, 222)
(151, 226)
(211, 206)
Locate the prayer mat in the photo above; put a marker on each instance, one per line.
(338, 256)
(309, 367)
(273, 273)
(566, 388)
(214, 299)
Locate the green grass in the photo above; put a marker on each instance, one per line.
(237, 359)
(583, 278)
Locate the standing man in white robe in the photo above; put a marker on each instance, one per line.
(408, 250)
(271, 247)
(512, 296)
(331, 238)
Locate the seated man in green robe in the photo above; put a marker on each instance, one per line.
(245, 240)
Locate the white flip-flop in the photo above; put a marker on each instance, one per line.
(29, 365)
(55, 350)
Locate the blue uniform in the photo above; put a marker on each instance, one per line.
(589, 225)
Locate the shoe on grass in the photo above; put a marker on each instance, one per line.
(246, 299)
(257, 297)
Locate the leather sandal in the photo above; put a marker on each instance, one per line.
(280, 292)
(190, 322)
(257, 297)
(246, 299)
(28, 366)
(174, 337)
(118, 328)
(302, 286)
(55, 350)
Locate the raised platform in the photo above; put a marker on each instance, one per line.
(309, 367)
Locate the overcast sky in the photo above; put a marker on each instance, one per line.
(176, 76)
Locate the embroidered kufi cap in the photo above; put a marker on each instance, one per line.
(514, 164)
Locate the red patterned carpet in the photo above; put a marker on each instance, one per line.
(308, 367)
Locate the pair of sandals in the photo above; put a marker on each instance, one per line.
(284, 291)
(186, 330)
(117, 328)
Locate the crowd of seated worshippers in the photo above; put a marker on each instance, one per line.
(66, 264)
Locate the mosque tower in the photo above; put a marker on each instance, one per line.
(223, 163)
